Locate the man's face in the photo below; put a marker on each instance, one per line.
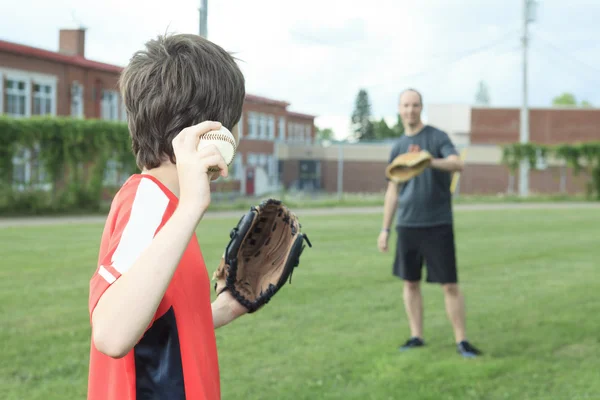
(410, 108)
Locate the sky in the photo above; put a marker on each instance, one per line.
(317, 54)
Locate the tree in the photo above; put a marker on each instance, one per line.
(324, 134)
(568, 99)
(399, 127)
(361, 117)
(565, 99)
(482, 97)
(383, 131)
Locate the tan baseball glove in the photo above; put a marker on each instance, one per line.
(408, 165)
(263, 251)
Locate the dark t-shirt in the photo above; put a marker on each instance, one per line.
(425, 200)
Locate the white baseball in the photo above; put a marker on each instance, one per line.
(224, 141)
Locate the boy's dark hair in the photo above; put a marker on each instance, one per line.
(175, 82)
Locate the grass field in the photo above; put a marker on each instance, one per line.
(530, 279)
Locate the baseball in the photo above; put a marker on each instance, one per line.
(224, 141)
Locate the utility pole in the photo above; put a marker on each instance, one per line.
(528, 17)
(203, 26)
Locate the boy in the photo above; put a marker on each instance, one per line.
(150, 310)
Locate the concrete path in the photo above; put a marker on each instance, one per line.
(41, 221)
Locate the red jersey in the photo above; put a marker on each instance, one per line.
(176, 358)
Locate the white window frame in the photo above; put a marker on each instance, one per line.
(20, 77)
(123, 109)
(282, 128)
(253, 125)
(263, 133)
(241, 127)
(271, 127)
(79, 110)
(307, 131)
(30, 78)
(113, 104)
(45, 82)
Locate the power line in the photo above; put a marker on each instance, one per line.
(461, 57)
(567, 56)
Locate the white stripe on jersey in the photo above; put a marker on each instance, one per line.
(147, 212)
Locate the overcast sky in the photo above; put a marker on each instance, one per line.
(317, 54)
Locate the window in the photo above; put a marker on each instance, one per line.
(263, 126)
(16, 97)
(110, 105)
(252, 159)
(23, 93)
(241, 127)
(43, 97)
(123, 112)
(237, 168)
(271, 127)
(307, 132)
(281, 128)
(252, 125)
(77, 100)
(28, 169)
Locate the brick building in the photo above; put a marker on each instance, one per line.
(38, 82)
(483, 130)
(266, 124)
(478, 132)
(34, 81)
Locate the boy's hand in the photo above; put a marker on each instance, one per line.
(193, 165)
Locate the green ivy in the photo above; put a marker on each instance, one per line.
(73, 154)
(578, 156)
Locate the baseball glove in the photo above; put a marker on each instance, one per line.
(263, 250)
(408, 165)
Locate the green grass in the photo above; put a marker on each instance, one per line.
(530, 280)
(226, 202)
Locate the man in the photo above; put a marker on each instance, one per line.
(425, 224)
(153, 323)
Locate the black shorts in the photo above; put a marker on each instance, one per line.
(433, 246)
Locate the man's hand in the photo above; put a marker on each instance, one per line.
(225, 309)
(382, 241)
(451, 163)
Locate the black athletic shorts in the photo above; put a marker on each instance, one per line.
(433, 246)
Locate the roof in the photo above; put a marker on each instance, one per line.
(79, 61)
(264, 100)
(300, 115)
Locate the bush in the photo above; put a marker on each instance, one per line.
(66, 164)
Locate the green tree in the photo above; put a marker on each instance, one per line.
(482, 97)
(324, 134)
(362, 126)
(383, 131)
(399, 127)
(565, 99)
(568, 99)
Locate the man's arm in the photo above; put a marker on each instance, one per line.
(452, 163)
(389, 209)
(390, 204)
(449, 159)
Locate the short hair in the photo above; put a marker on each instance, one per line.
(177, 81)
(411, 90)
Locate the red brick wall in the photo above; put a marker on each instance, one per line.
(253, 146)
(494, 179)
(546, 126)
